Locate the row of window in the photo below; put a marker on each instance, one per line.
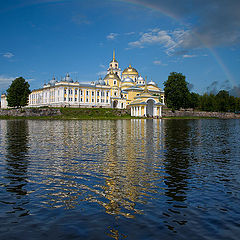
(70, 92)
(87, 100)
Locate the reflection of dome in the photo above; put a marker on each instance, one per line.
(152, 83)
(128, 80)
(68, 78)
(130, 70)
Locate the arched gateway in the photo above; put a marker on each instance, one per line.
(146, 105)
(115, 103)
(150, 106)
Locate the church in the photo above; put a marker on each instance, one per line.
(126, 89)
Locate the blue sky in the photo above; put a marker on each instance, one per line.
(200, 38)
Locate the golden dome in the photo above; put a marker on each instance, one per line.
(130, 70)
(111, 75)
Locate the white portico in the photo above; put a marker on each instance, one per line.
(146, 105)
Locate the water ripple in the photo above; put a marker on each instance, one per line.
(125, 179)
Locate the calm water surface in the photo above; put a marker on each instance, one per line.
(125, 179)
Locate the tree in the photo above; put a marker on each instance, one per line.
(194, 100)
(18, 92)
(176, 91)
(222, 99)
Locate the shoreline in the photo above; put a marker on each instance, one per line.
(103, 114)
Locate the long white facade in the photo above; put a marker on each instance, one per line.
(64, 94)
(117, 90)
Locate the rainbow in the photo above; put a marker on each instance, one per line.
(163, 11)
(169, 14)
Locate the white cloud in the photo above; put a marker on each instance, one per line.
(102, 73)
(5, 81)
(189, 56)
(157, 62)
(112, 36)
(102, 66)
(169, 40)
(8, 55)
(130, 33)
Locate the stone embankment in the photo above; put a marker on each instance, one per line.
(54, 112)
(30, 112)
(191, 113)
(66, 113)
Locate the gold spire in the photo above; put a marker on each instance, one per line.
(113, 54)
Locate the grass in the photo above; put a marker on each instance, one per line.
(92, 114)
(80, 114)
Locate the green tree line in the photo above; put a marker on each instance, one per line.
(178, 96)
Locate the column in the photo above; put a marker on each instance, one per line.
(105, 97)
(67, 98)
(160, 111)
(154, 111)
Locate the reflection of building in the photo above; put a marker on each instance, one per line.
(117, 90)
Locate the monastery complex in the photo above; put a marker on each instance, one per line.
(126, 89)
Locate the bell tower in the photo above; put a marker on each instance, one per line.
(113, 65)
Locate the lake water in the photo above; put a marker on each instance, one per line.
(124, 179)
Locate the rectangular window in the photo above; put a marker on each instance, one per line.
(106, 101)
(87, 93)
(98, 94)
(92, 93)
(81, 99)
(75, 91)
(114, 82)
(107, 94)
(65, 91)
(92, 100)
(81, 92)
(115, 94)
(75, 99)
(97, 100)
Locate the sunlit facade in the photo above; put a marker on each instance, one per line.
(116, 90)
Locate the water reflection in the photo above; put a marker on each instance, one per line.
(177, 143)
(17, 165)
(134, 179)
